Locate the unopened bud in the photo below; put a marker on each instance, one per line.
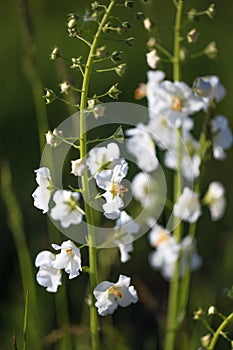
(119, 135)
(148, 24)
(54, 138)
(116, 56)
(76, 62)
(193, 36)
(211, 11)
(152, 59)
(78, 167)
(65, 87)
(130, 41)
(139, 15)
(205, 340)
(198, 314)
(55, 53)
(191, 15)
(183, 54)
(101, 52)
(129, 3)
(94, 5)
(151, 43)
(140, 92)
(107, 27)
(211, 50)
(120, 70)
(211, 310)
(114, 92)
(49, 96)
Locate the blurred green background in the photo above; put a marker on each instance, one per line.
(19, 146)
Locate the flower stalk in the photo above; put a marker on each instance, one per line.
(94, 326)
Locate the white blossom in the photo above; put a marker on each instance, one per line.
(47, 276)
(78, 167)
(66, 209)
(188, 207)
(152, 59)
(175, 100)
(110, 181)
(209, 88)
(125, 228)
(142, 147)
(101, 158)
(144, 188)
(109, 295)
(221, 135)
(69, 258)
(215, 199)
(43, 192)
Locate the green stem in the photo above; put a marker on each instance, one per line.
(172, 317)
(94, 325)
(219, 331)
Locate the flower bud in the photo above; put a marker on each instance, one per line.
(198, 314)
(183, 54)
(139, 15)
(119, 135)
(76, 62)
(211, 310)
(120, 70)
(211, 50)
(101, 52)
(191, 15)
(211, 11)
(193, 36)
(55, 53)
(130, 41)
(49, 96)
(129, 3)
(96, 108)
(54, 138)
(148, 24)
(107, 27)
(114, 92)
(95, 5)
(151, 43)
(152, 59)
(116, 56)
(140, 92)
(65, 87)
(205, 340)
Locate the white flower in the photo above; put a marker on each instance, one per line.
(47, 276)
(78, 167)
(66, 209)
(43, 192)
(189, 255)
(209, 88)
(162, 131)
(222, 136)
(142, 147)
(165, 255)
(96, 108)
(152, 59)
(101, 158)
(158, 235)
(215, 198)
(188, 207)
(110, 295)
(154, 78)
(69, 258)
(125, 228)
(110, 181)
(144, 188)
(175, 100)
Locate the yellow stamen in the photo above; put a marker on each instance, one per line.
(177, 104)
(69, 251)
(113, 290)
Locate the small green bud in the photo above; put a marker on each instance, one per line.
(139, 15)
(116, 56)
(211, 50)
(114, 92)
(193, 36)
(49, 96)
(119, 135)
(101, 52)
(76, 62)
(95, 5)
(107, 27)
(211, 11)
(129, 4)
(55, 53)
(191, 15)
(120, 70)
(130, 41)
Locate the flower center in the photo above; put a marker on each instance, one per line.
(69, 251)
(118, 189)
(163, 237)
(113, 290)
(177, 104)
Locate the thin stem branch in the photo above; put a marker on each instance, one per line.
(219, 331)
